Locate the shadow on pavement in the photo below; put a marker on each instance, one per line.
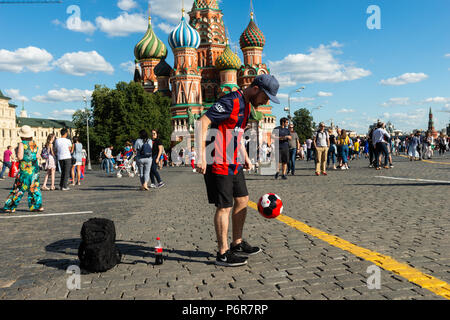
(127, 248)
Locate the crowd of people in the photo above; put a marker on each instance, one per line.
(329, 149)
(334, 148)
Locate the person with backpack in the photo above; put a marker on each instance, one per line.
(48, 154)
(321, 144)
(143, 147)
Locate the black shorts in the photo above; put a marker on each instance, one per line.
(222, 189)
(284, 155)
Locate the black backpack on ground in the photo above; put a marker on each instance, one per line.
(97, 251)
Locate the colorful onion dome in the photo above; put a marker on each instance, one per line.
(150, 47)
(252, 36)
(228, 60)
(184, 36)
(163, 69)
(205, 4)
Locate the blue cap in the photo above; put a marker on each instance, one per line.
(269, 85)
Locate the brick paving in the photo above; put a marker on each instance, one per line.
(406, 220)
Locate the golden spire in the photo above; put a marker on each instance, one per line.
(182, 8)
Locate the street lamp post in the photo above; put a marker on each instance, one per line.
(289, 102)
(87, 131)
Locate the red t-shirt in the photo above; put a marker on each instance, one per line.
(229, 113)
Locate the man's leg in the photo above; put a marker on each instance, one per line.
(238, 218)
(221, 222)
(323, 159)
(63, 173)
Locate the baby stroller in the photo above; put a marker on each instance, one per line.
(126, 165)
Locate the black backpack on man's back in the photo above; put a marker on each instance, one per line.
(97, 251)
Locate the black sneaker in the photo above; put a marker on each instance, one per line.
(229, 259)
(283, 177)
(245, 249)
(276, 175)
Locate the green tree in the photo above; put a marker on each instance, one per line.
(303, 124)
(119, 114)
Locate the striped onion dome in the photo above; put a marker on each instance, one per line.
(228, 60)
(184, 36)
(252, 36)
(150, 47)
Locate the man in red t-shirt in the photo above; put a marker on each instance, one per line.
(7, 157)
(224, 176)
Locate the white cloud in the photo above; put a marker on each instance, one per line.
(25, 59)
(294, 99)
(165, 27)
(320, 65)
(64, 95)
(437, 100)
(128, 66)
(15, 95)
(65, 113)
(81, 63)
(345, 111)
(324, 94)
(404, 79)
(396, 102)
(126, 4)
(74, 23)
(36, 114)
(447, 55)
(169, 10)
(123, 25)
(446, 108)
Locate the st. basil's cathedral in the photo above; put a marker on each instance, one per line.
(205, 67)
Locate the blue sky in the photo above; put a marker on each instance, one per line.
(357, 74)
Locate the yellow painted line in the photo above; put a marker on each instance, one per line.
(411, 274)
(436, 162)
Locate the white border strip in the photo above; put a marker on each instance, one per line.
(408, 179)
(37, 215)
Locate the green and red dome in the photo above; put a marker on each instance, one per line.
(252, 36)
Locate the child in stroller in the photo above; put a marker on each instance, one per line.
(125, 163)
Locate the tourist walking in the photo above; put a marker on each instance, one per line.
(380, 140)
(321, 144)
(7, 161)
(294, 148)
(77, 155)
(283, 135)
(413, 152)
(48, 153)
(27, 179)
(427, 146)
(308, 149)
(192, 155)
(332, 151)
(157, 150)
(343, 142)
(442, 143)
(144, 153)
(109, 159)
(224, 178)
(63, 146)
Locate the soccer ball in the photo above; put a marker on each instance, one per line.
(270, 206)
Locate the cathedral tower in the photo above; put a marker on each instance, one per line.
(186, 78)
(228, 63)
(207, 19)
(149, 52)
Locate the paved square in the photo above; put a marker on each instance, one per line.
(405, 219)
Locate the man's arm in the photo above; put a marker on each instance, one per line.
(204, 124)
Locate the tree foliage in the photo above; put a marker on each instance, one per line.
(119, 114)
(303, 124)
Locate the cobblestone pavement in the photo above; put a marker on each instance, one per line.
(404, 219)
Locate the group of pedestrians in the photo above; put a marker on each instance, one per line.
(56, 152)
(148, 158)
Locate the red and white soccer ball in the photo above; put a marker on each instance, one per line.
(270, 206)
